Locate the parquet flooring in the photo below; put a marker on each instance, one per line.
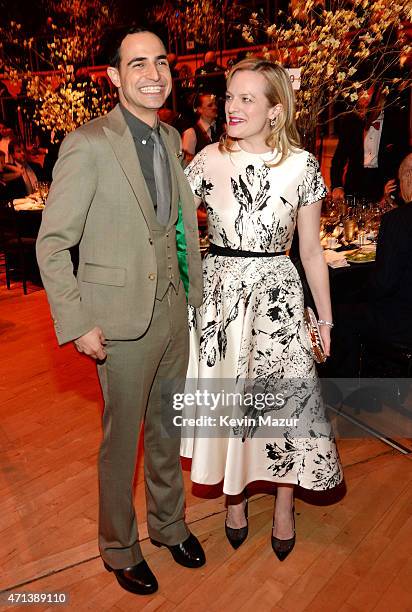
(352, 551)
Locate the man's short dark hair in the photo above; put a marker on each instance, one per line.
(198, 98)
(114, 59)
(14, 144)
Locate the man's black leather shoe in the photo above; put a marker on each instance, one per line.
(188, 553)
(137, 579)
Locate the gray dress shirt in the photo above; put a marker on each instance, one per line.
(144, 144)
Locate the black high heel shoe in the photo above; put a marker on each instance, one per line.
(282, 548)
(236, 537)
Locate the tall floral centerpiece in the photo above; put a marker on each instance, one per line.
(341, 51)
(61, 97)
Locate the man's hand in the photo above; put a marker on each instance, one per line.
(390, 187)
(92, 344)
(338, 194)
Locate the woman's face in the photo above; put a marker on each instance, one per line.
(208, 108)
(248, 113)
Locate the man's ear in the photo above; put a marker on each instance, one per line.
(114, 76)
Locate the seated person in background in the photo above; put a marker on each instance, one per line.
(392, 279)
(204, 131)
(6, 135)
(210, 64)
(28, 175)
(387, 315)
(211, 76)
(8, 173)
(372, 142)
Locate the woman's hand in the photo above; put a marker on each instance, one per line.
(324, 331)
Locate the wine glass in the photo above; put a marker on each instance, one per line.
(43, 189)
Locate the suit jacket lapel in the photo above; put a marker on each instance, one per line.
(122, 143)
(173, 162)
(185, 195)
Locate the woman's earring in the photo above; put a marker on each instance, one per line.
(273, 122)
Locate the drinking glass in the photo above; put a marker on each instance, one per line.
(349, 228)
(43, 189)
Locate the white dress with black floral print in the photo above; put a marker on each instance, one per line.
(249, 331)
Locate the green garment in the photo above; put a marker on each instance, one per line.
(181, 248)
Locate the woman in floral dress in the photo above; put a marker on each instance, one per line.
(249, 333)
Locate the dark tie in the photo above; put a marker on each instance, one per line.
(376, 125)
(161, 173)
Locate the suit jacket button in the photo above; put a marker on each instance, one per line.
(150, 241)
(151, 276)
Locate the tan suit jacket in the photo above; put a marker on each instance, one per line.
(99, 200)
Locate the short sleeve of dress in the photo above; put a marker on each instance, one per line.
(195, 172)
(313, 187)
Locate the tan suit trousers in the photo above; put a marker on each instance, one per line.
(131, 382)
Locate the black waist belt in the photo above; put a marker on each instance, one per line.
(214, 249)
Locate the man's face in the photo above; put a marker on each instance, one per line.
(208, 108)
(143, 77)
(19, 154)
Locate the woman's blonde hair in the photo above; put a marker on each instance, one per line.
(284, 136)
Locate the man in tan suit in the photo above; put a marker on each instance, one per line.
(117, 190)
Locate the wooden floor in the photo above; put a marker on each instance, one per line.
(353, 550)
